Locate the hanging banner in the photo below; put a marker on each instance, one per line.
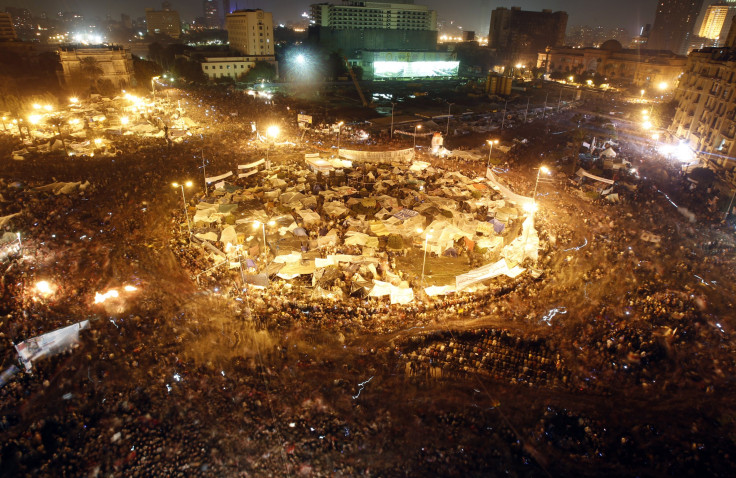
(581, 172)
(252, 165)
(52, 343)
(249, 173)
(505, 191)
(218, 178)
(304, 119)
(404, 155)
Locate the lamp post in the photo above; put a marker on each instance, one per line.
(339, 130)
(427, 235)
(392, 119)
(491, 143)
(153, 85)
(416, 127)
(262, 225)
(5, 127)
(503, 119)
(533, 209)
(449, 107)
(184, 203)
(271, 132)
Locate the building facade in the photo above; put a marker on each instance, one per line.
(7, 31)
(366, 25)
(518, 35)
(250, 32)
(713, 20)
(623, 66)
(674, 23)
(233, 67)
(112, 63)
(398, 65)
(163, 22)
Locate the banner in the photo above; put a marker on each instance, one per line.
(249, 173)
(304, 119)
(252, 165)
(404, 155)
(488, 271)
(52, 343)
(582, 172)
(506, 192)
(218, 178)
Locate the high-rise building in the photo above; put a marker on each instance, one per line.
(165, 21)
(518, 35)
(7, 32)
(673, 27)
(212, 14)
(368, 25)
(250, 32)
(713, 20)
(226, 7)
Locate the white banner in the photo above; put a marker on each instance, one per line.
(51, 343)
(487, 271)
(412, 134)
(249, 173)
(252, 165)
(304, 118)
(217, 178)
(405, 155)
(505, 191)
(582, 172)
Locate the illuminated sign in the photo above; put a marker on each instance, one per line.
(414, 69)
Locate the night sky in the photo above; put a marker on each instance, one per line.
(471, 14)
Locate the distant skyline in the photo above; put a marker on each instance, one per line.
(470, 14)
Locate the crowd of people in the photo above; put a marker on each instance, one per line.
(537, 373)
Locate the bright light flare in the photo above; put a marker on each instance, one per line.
(130, 288)
(73, 100)
(544, 169)
(531, 207)
(48, 108)
(300, 60)
(273, 131)
(36, 106)
(110, 294)
(98, 141)
(124, 120)
(44, 288)
(663, 86)
(34, 119)
(647, 125)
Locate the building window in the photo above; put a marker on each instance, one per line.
(206, 67)
(221, 67)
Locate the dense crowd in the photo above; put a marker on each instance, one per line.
(561, 373)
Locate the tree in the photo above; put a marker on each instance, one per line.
(90, 69)
(145, 70)
(262, 70)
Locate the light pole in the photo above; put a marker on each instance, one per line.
(339, 130)
(490, 143)
(262, 225)
(271, 132)
(153, 85)
(533, 208)
(5, 127)
(416, 127)
(427, 235)
(544, 111)
(392, 119)
(449, 107)
(184, 203)
(503, 119)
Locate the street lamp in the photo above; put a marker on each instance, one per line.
(339, 129)
(532, 208)
(416, 127)
(262, 225)
(427, 235)
(123, 121)
(449, 107)
(642, 93)
(184, 202)
(73, 100)
(272, 132)
(153, 85)
(491, 143)
(392, 119)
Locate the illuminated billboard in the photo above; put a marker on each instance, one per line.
(414, 69)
